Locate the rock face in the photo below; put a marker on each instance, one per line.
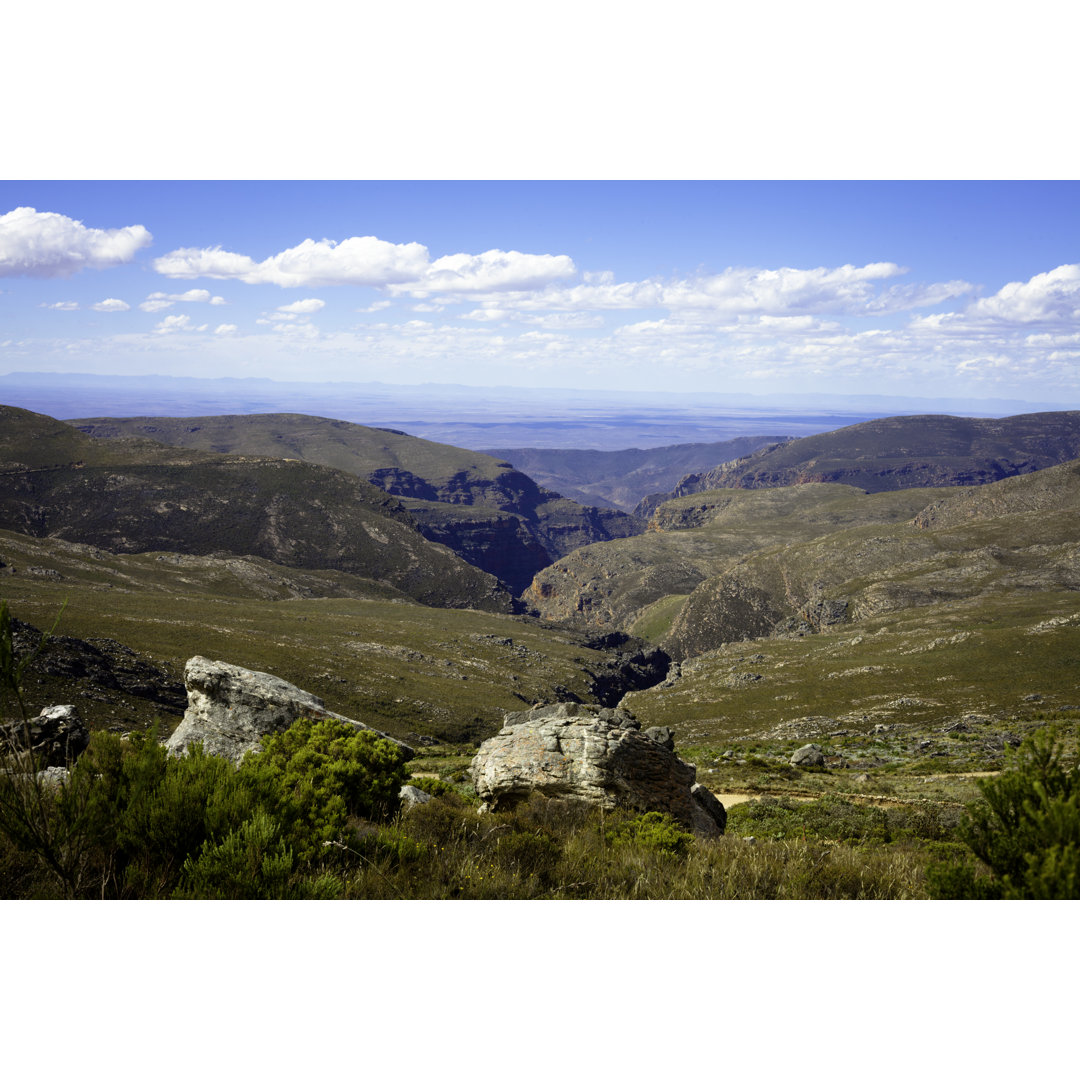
(230, 709)
(57, 736)
(593, 754)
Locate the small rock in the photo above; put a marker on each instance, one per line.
(662, 735)
(413, 796)
(810, 754)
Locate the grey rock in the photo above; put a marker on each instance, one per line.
(708, 811)
(810, 754)
(57, 736)
(413, 796)
(588, 753)
(55, 776)
(662, 735)
(230, 709)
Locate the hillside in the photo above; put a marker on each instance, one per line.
(1019, 535)
(136, 495)
(501, 521)
(693, 538)
(622, 478)
(901, 452)
(368, 650)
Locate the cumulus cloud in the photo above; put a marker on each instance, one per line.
(367, 260)
(63, 305)
(359, 260)
(226, 328)
(303, 307)
(171, 323)
(1051, 297)
(159, 301)
(491, 271)
(112, 304)
(45, 244)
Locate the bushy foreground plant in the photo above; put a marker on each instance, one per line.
(131, 821)
(653, 831)
(1025, 830)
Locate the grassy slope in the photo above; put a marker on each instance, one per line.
(408, 669)
(1019, 535)
(134, 494)
(615, 582)
(338, 444)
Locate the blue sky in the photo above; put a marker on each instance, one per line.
(941, 288)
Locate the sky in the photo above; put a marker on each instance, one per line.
(950, 288)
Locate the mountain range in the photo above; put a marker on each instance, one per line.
(310, 547)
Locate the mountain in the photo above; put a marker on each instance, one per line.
(1017, 535)
(901, 452)
(622, 478)
(692, 538)
(136, 495)
(494, 516)
(737, 564)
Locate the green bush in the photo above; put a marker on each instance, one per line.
(324, 772)
(252, 863)
(654, 831)
(1026, 829)
(432, 785)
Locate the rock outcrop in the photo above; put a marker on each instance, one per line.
(55, 738)
(230, 709)
(593, 754)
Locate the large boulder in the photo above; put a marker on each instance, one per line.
(230, 709)
(56, 737)
(597, 755)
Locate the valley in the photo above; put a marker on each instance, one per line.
(903, 593)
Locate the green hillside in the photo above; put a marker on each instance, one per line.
(136, 495)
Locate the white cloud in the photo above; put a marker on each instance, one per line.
(367, 260)
(112, 304)
(737, 292)
(226, 328)
(52, 245)
(303, 307)
(379, 305)
(159, 301)
(63, 305)
(359, 260)
(491, 271)
(172, 323)
(1051, 297)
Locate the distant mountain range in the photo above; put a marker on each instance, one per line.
(622, 478)
(777, 543)
(900, 452)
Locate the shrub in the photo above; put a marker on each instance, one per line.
(253, 862)
(1026, 829)
(323, 772)
(654, 831)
